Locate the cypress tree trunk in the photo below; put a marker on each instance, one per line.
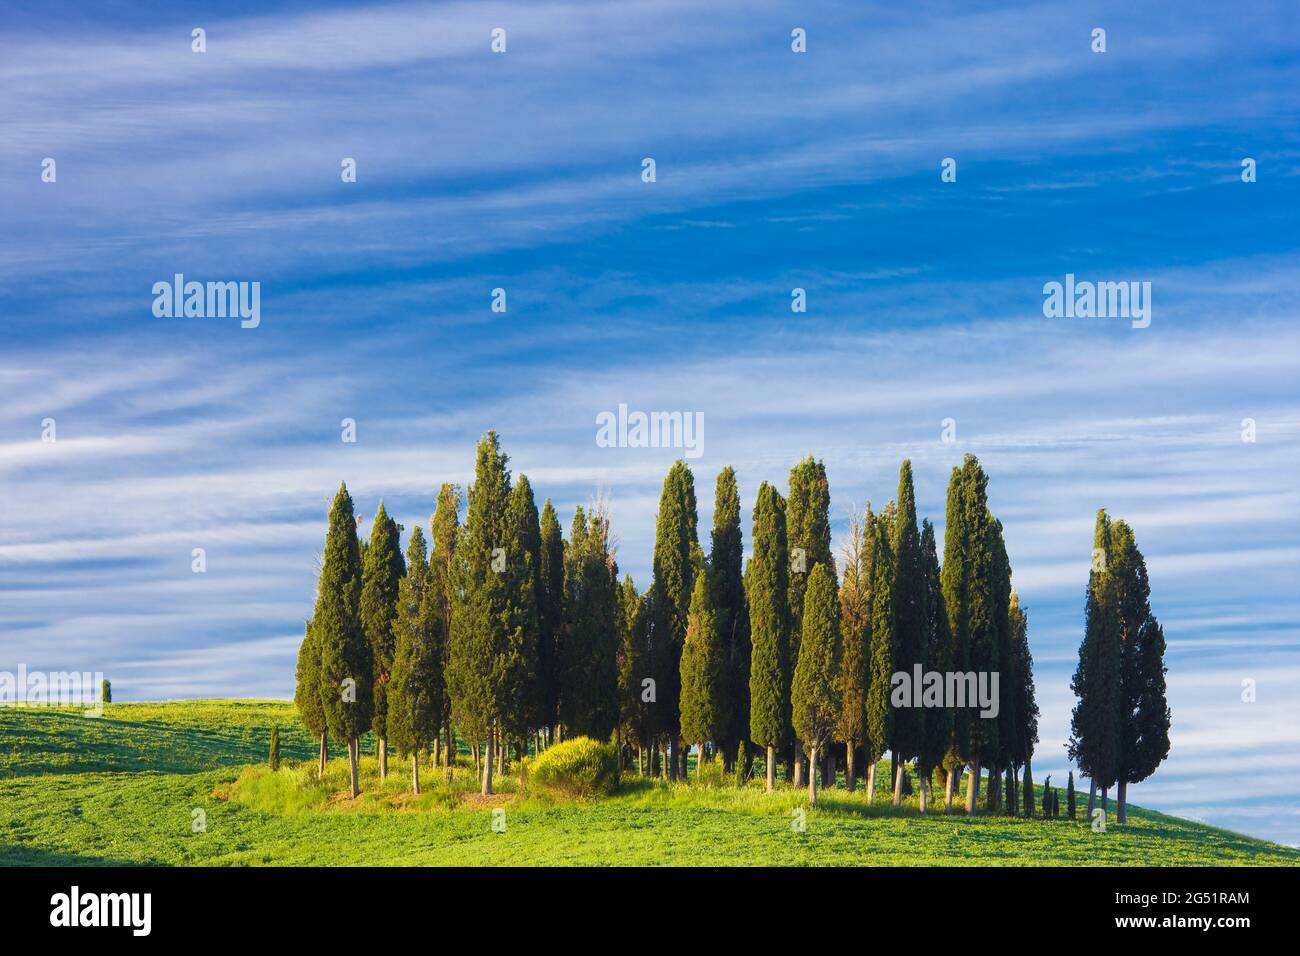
(771, 768)
(1105, 802)
(871, 784)
(924, 796)
(850, 773)
(501, 753)
(383, 759)
(670, 760)
(1092, 796)
(699, 764)
(415, 774)
(812, 777)
(354, 753)
(973, 789)
(478, 766)
(798, 763)
(487, 766)
(437, 750)
(947, 791)
(324, 754)
(898, 781)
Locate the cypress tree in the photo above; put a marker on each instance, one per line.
(1028, 788)
(483, 647)
(307, 694)
(767, 591)
(522, 694)
(1144, 721)
(1025, 732)
(346, 667)
(910, 643)
(808, 528)
(814, 696)
(1095, 722)
(444, 527)
(855, 628)
(274, 756)
(105, 691)
(589, 689)
(726, 560)
(382, 572)
(702, 702)
(416, 689)
(1069, 795)
(675, 542)
(938, 720)
(1008, 720)
(550, 616)
(633, 612)
(880, 711)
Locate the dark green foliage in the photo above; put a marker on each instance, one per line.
(1008, 720)
(767, 590)
(1069, 796)
(808, 528)
(416, 690)
(382, 572)
(814, 691)
(1025, 732)
(726, 559)
(523, 536)
(105, 691)
(634, 616)
(880, 711)
(550, 616)
(306, 691)
(1095, 726)
(910, 624)
(938, 720)
(274, 756)
(674, 570)
(855, 630)
(1027, 788)
(589, 648)
(346, 667)
(703, 704)
(485, 648)
(444, 527)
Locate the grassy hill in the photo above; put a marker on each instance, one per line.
(124, 788)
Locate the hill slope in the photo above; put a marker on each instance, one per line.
(127, 788)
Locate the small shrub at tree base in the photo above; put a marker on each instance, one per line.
(579, 767)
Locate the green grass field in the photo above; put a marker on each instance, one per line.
(124, 788)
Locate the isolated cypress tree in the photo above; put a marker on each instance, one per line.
(938, 720)
(274, 756)
(1144, 720)
(1028, 787)
(675, 540)
(726, 560)
(703, 703)
(105, 691)
(346, 667)
(483, 644)
(1069, 795)
(444, 527)
(550, 616)
(307, 694)
(880, 711)
(589, 659)
(910, 638)
(814, 692)
(767, 591)
(382, 572)
(855, 629)
(416, 689)
(1097, 683)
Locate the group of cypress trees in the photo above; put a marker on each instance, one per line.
(1119, 731)
(509, 637)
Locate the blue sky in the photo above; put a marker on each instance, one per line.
(774, 171)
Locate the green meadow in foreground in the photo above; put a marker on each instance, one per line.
(124, 789)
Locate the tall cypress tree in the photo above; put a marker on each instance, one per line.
(524, 556)
(910, 621)
(814, 692)
(444, 527)
(382, 573)
(416, 689)
(346, 667)
(855, 628)
(1025, 733)
(589, 698)
(482, 627)
(767, 591)
(1145, 718)
(550, 616)
(633, 610)
(938, 720)
(306, 694)
(809, 528)
(702, 701)
(1008, 719)
(880, 711)
(1095, 722)
(675, 542)
(728, 576)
